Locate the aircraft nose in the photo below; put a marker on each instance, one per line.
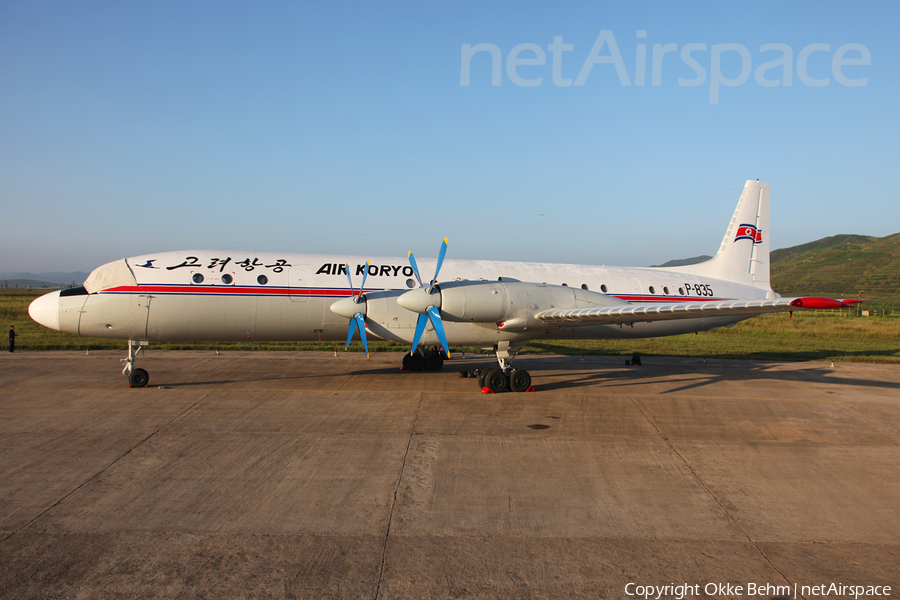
(45, 310)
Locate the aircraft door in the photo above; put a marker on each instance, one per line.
(115, 315)
(299, 282)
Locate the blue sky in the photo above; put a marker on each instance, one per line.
(131, 128)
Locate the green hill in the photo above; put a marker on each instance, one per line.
(829, 242)
(841, 265)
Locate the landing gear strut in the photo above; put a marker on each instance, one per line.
(494, 381)
(136, 377)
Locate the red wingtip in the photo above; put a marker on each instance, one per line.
(816, 302)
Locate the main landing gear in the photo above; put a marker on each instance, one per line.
(494, 381)
(424, 360)
(137, 378)
(491, 381)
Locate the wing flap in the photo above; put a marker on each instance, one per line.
(632, 313)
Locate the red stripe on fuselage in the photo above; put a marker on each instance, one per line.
(201, 290)
(628, 298)
(225, 290)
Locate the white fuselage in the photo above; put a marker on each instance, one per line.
(229, 296)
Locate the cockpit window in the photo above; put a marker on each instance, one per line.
(75, 291)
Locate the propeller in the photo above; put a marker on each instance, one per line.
(426, 302)
(357, 313)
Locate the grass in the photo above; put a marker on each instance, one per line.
(820, 335)
(808, 336)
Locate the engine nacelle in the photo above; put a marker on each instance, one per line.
(473, 301)
(512, 304)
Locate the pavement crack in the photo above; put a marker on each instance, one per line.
(710, 492)
(387, 533)
(128, 451)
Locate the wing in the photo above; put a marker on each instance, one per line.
(632, 313)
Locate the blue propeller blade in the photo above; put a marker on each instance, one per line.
(349, 280)
(358, 320)
(361, 320)
(362, 287)
(350, 331)
(440, 261)
(420, 329)
(415, 267)
(435, 316)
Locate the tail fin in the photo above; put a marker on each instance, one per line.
(743, 256)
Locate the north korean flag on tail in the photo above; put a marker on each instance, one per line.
(749, 232)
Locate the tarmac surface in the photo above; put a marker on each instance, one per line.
(306, 475)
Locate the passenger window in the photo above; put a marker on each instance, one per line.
(603, 288)
(227, 279)
(197, 278)
(584, 286)
(262, 280)
(652, 291)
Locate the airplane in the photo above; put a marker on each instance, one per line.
(498, 306)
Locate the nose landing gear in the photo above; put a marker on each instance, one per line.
(137, 378)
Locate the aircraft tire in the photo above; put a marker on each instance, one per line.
(496, 381)
(138, 378)
(406, 361)
(519, 380)
(434, 361)
(481, 375)
(416, 362)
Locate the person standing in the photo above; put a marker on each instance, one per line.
(12, 338)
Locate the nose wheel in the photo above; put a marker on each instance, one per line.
(137, 378)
